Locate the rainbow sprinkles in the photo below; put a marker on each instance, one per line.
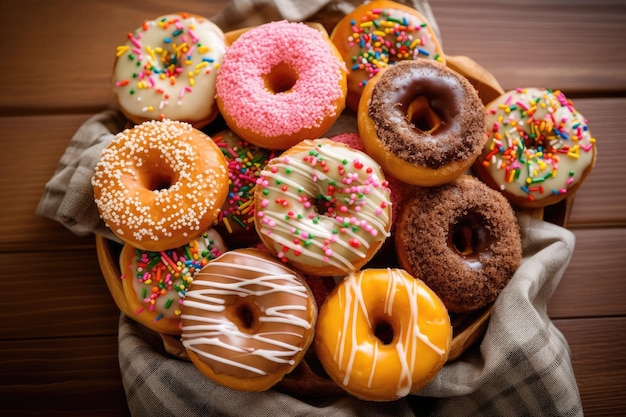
(538, 145)
(167, 68)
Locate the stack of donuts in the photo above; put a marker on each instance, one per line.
(265, 245)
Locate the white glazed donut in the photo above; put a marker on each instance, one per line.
(167, 69)
(323, 207)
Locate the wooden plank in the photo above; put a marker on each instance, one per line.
(64, 376)
(593, 284)
(72, 69)
(598, 359)
(55, 294)
(29, 158)
(601, 200)
(575, 46)
(589, 56)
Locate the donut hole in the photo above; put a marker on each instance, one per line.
(281, 78)
(383, 330)
(323, 206)
(157, 177)
(468, 236)
(422, 116)
(245, 316)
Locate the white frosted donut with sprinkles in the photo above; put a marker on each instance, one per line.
(280, 83)
(160, 184)
(323, 207)
(540, 149)
(382, 334)
(247, 320)
(167, 69)
(156, 282)
(380, 33)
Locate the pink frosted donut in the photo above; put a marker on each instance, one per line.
(280, 83)
(396, 188)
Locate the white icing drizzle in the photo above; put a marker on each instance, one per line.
(290, 187)
(354, 305)
(206, 327)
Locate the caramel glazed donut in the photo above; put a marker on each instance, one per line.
(247, 320)
(382, 334)
(160, 184)
(462, 239)
(422, 122)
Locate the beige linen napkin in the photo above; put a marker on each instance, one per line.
(68, 195)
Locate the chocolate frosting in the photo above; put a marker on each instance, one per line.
(462, 239)
(452, 126)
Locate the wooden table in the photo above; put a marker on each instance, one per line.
(58, 332)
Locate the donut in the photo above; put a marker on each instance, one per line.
(323, 207)
(539, 148)
(422, 122)
(167, 69)
(247, 320)
(396, 188)
(280, 83)
(382, 334)
(462, 239)
(377, 34)
(160, 184)
(235, 221)
(155, 282)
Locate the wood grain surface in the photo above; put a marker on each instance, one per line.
(58, 337)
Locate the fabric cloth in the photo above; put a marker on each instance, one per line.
(68, 195)
(521, 367)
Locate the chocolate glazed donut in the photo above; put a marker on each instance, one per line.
(462, 239)
(423, 122)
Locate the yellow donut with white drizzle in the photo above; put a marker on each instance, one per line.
(247, 320)
(382, 334)
(323, 207)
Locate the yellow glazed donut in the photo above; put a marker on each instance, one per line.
(323, 207)
(167, 69)
(247, 320)
(155, 282)
(377, 34)
(160, 184)
(539, 150)
(382, 334)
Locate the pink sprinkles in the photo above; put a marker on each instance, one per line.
(326, 205)
(241, 85)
